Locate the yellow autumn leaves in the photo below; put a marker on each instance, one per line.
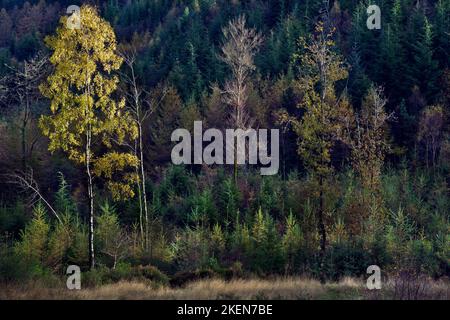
(86, 122)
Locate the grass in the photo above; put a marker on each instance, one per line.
(242, 289)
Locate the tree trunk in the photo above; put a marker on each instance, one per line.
(235, 168)
(23, 133)
(91, 198)
(144, 192)
(323, 235)
(141, 210)
(322, 231)
(115, 262)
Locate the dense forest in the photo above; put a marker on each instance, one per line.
(86, 117)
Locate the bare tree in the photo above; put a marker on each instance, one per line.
(22, 88)
(140, 107)
(368, 139)
(117, 249)
(113, 240)
(430, 133)
(238, 51)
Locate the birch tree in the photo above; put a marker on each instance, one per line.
(84, 116)
(324, 112)
(22, 89)
(430, 133)
(368, 138)
(140, 105)
(238, 52)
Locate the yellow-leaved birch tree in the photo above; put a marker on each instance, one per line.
(86, 122)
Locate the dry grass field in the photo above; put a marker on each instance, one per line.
(280, 288)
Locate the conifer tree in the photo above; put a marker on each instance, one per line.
(424, 71)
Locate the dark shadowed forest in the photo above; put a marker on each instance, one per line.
(86, 121)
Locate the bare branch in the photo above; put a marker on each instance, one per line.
(26, 182)
(238, 51)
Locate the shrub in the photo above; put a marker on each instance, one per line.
(421, 257)
(12, 267)
(95, 277)
(345, 259)
(152, 273)
(182, 278)
(191, 249)
(122, 270)
(12, 219)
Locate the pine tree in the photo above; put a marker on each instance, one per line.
(60, 241)
(64, 203)
(34, 238)
(358, 80)
(112, 240)
(292, 240)
(424, 72)
(217, 241)
(166, 118)
(391, 59)
(367, 41)
(6, 25)
(442, 33)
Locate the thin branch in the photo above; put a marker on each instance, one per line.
(27, 182)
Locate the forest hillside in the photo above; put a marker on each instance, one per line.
(101, 104)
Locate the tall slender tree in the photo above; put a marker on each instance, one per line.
(238, 52)
(368, 138)
(430, 133)
(83, 112)
(140, 105)
(324, 112)
(424, 72)
(134, 96)
(23, 90)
